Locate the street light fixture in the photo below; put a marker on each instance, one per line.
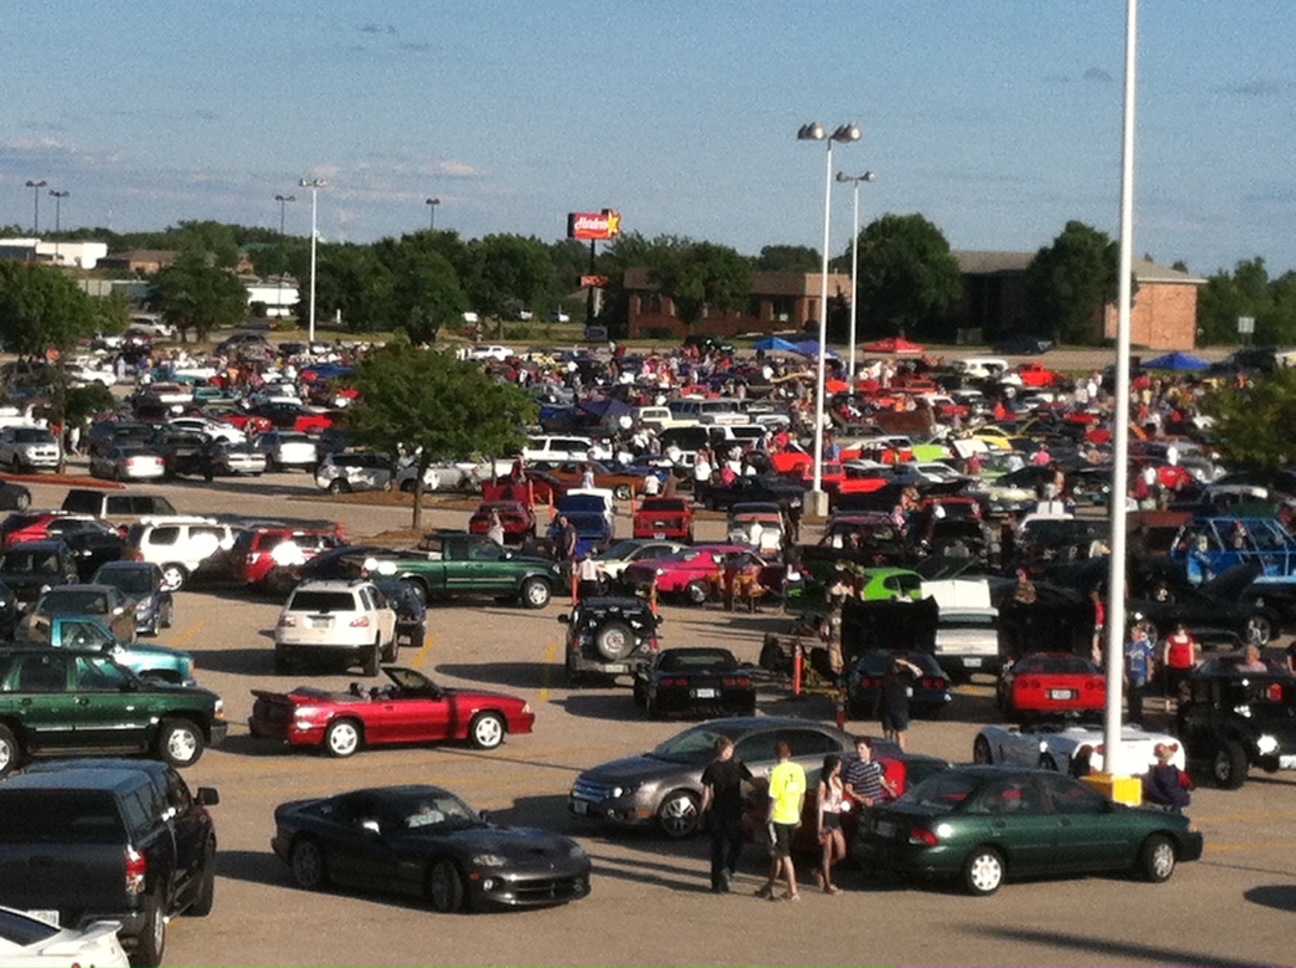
(432, 204)
(58, 221)
(868, 176)
(816, 499)
(314, 184)
(36, 186)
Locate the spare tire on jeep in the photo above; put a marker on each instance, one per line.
(615, 640)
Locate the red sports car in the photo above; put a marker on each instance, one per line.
(410, 709)
(1052, 683)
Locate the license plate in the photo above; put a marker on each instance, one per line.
(659, 535)
(45, 917)
(580, 807)
(885, 828)
(322, 622)
(972, 663)
(1061, 694)
(706, 693)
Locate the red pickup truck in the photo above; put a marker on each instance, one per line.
(664, 517)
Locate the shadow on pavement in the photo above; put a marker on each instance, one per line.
(518, 675)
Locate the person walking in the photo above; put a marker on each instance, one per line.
(722, 809)
(1180, 657)
(893, 697)
(787, 787)
(831, 805)
(1138, 671)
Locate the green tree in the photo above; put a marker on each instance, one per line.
(508, 273)
(432, 406)
(702, 276)
(908, 278)
(193, 294)
(40, 308)
(1070, 282)
(1255, 429)
(789, 258)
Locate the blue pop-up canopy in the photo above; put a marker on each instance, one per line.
(1177, 361)
(810, 347)
(775, 343)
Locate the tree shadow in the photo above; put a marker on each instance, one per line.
(252, 662)
(516, 675)
(1119, 951)
(253, 866)
(1279, 896)
(615, 707)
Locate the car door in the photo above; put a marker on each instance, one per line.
(1020, 821)
(110, 710)
(383, 615)
(484, 568)
(1087, 834)
(44, 705)
(356, 850)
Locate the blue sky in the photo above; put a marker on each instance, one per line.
(999, 120)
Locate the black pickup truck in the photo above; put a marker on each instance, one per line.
(120, 840)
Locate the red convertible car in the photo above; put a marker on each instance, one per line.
(410, 709)
(1052, 683)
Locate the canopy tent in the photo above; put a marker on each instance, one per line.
(810, 347)
(894, 346)
(775, 343)
(606, 409)
(1177, 361)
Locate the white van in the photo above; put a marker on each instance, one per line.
(967, 627)
(981, 367)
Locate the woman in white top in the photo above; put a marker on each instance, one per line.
(831, 805)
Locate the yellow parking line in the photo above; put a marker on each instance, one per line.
(423, 652)
(550, 651)
(187, 634)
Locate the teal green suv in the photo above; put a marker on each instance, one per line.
(64, 702)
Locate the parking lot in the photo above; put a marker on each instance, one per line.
(650, 902)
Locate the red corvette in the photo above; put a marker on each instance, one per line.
(1052, 683)
(410, 709)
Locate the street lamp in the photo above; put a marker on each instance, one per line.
(432, 204)
(283, 201)
(868, 176)
(36, 186)
(58, 213)
(816, 499)
(314, 184)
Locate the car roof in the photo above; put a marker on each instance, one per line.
(117, 776)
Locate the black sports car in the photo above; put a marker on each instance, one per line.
(698, 681)
(864, 685)
(425, 841)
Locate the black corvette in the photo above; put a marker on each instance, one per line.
(425, 841)
(701, 681)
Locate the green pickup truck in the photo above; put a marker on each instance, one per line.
(66, 702)
(452, 564)
(155, 662)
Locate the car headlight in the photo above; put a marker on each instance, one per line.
(219, 710)
(624, 791)
(1267, 744)
(576, 852)
(489, 860)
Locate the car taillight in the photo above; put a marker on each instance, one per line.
(930, 683)
(129, 462)
(741, 681)
(922, 836)
(674, 682)
(136, 871)
(1028, 683)
(1275, 691)
(870, 682)
(1094, 684)
(360, 623)
(287, 622)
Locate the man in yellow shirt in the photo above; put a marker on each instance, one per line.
(787, 787)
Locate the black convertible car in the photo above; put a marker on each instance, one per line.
(695, 681)
(425, 841)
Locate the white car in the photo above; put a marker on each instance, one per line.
(348, 471)
(177, 544)
(28, 448)
(216, 429)
(287, 449)
(493, 352)
(561, 450)
(27, 940)
(336, 620)
(1052, 749)
(85, 370)
(622, 554)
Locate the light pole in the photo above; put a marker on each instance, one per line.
(283, 201)
(58, 218)
(816, 499)
(314, 184)
(36, 186)
(432, 204)
(868, 176)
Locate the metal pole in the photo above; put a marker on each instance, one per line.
(36, 186)
(854, 299)
(816, 486)
(432, 204)
(58, 219)
(1113, 761)
(310, 337)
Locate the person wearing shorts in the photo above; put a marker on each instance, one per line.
(893, 703)
(787, 787)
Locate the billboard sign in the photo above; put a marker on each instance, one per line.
(594, 225)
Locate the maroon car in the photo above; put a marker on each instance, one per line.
(664, 517)
(519, 523)
(411, 708)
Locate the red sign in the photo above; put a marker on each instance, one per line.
(594, 225)
(593, 281)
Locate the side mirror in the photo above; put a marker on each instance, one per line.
(207, 796)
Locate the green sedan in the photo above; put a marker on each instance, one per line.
(983, 823)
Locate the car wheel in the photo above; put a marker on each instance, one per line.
(981, 752)
(174, 575)
(535, 593)
(1157, 858)
(202, 905)
(9, 751)
(306, 860)
(614, 640)
(23, 500)
(343, 738)
(696, 593)
(1229, 765)
(416, 587)
(1047, 762)
(486, 731)
(678, 814)
(338, 486)
(152, 939)
(180, 742)
(983, 872)
(623, 492)
(446, 888)
(372, 655)
(1258, 630)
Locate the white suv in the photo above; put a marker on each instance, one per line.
(336, 620)
(179, 545)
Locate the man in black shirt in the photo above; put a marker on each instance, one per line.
(893, 706)
(722, 806)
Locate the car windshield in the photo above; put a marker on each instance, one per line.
(696, 745)
(431, 809)
(942, 793)
(25, 562)
(75, 602)
(132, 581)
